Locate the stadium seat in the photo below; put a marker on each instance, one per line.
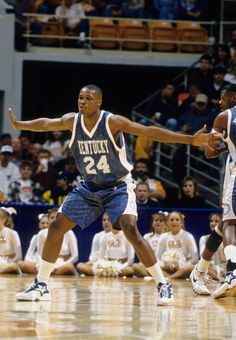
(52, 28)
(135, 32)
(192, 31)
(163, 30)
(104, 28)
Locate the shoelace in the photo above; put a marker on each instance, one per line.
(164, 291)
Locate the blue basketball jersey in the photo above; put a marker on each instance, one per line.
(231, 133)
(100, 160)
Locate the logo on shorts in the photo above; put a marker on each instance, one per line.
(226, 209)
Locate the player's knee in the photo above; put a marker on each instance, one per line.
(213, 241)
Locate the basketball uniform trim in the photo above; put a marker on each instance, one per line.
(74, 130)
(91, 133)
(122, 151)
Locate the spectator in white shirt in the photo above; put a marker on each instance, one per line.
(8, 170)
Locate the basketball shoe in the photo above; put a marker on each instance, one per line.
(227, 288)
(165, 291)
(38, 291)
(199, 280)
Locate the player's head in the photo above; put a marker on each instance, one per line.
(228, 97)
(90, 99)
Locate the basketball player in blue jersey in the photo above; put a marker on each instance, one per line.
(225, 124)
(198, 277)
(101, 156)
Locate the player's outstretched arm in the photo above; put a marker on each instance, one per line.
(119, 123)
(42, 124)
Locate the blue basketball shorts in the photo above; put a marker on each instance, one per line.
(84, 206)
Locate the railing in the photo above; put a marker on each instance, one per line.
(45, 18)
(210, 186)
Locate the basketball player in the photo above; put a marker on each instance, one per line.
(224, 123)
(100, 152)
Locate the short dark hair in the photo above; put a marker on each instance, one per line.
(206, 57)
(94, 88)
(26, 163)
(230, 88)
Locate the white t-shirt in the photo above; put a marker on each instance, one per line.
(152, 239)
(32, 254)
(96, 246)
(73, 11)
(183, 242)
(8, 174)
(117, 247)
(69, 245)
(10, 244)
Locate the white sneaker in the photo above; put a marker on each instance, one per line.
(198, 280)
(165, 291)
(38, 291)
(227, 288)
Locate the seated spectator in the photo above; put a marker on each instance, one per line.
(202, 74)
(34, 150)
(143, 199)
(177, 249)
(56, 145)
(17, 151)
(143, 148)
(26, 142)
(117, 255)
(217, 268)
(22, 7)
(74, 22)
(44, 172)
(95, 254)
(167, 9)
(133, 9)
(218, 84)
(231, 76)
(158, 227)
(222, 57)
(68, 254)
(162, 108)
(6, 139)
(189, 102)
(8, 170)
(10, 245)
(113, 9)
(29, 265)
(23, 189)
(189, 196)
(141, 173)
(58, 193)
(197, 116)
(193, 10)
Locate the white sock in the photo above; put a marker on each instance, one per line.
(45, 269)
(203, 265)
(230, 253)
(157, 273)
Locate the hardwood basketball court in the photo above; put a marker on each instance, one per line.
(110, 308)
